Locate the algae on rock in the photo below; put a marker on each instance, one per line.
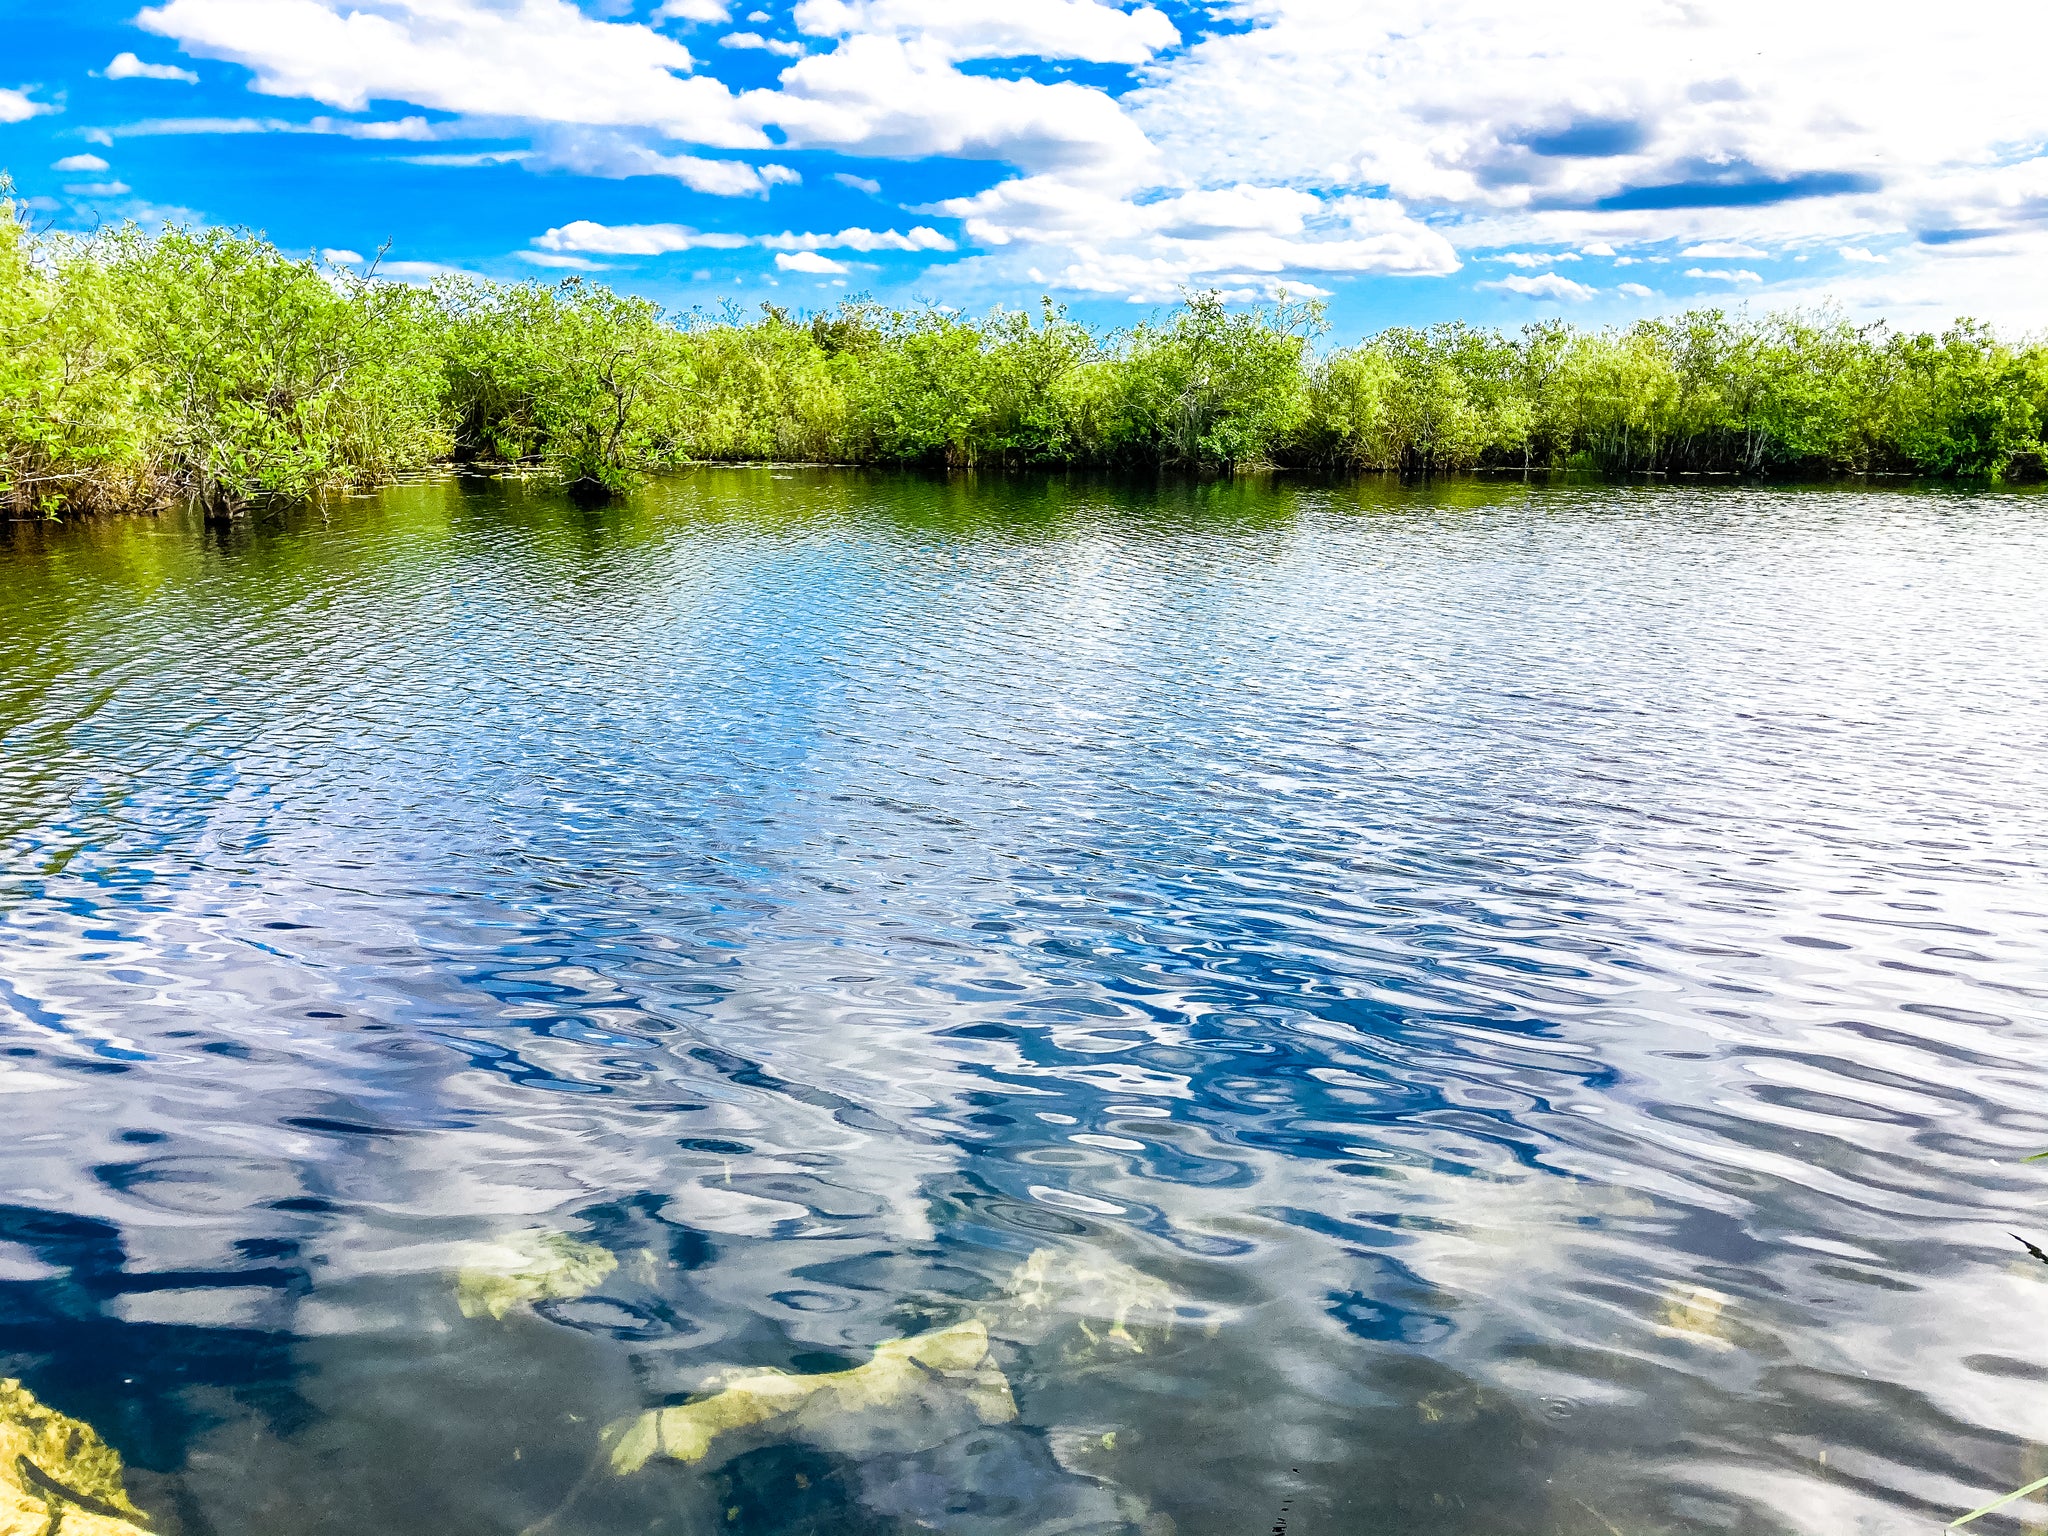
(57, 1476)
(1102, 1298)
(915, 1392)
(1695, 1313)
(526, 1267)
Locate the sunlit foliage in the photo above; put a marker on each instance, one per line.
(135, 368)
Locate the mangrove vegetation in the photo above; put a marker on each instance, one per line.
(138, 368)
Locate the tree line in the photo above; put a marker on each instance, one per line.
(140, 368)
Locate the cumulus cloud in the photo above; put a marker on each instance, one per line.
(1608, 121)
(1549, 285)
(1857, 253)
(995, 29)
(126, 66)
(808, 261)
(788, 47)
(79, 163)
(921, 238)
(586, 236)
(865, 184)
(882, 96)
(600, 95)
(1635, 290)
(342, 258)
(541, 60)
(1725, 248)
(1244, 238)
(1297, 140)
(634, 239)
(1735, 275)
(17, 106)
(617, 156)
(890, 87)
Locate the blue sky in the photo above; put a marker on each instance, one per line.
(1408, 161)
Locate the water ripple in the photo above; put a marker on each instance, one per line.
(1550, 978)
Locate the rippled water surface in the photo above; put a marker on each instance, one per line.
(1528, 1004)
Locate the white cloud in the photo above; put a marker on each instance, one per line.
(79, 163)
(881, 96)
(1728, 248)
(1243, 238)
(126, 66)
(541, 60)
(808, 261)
(921, 238)
(634, 239)
(616, 156)
(342, 258)
(101, 189)
(1550, 285)
(18, 107)
(892, 90)
(1488, 125)
(1857, 253)
(589, 237)
(406, 128)
(865, 184)
(993, 29)
(787, 47)
(1725, 275)
(1051, 209)
(1613, 122)
(1635, 290)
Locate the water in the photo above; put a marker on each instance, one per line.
(1549, 984)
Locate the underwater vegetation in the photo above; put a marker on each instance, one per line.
(136, 369)
(56, 1474)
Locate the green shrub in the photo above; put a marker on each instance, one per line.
(137, 367)
(268, 378)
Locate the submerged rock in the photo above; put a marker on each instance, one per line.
(57, 1477)
(1110, 1308)
(924, 1435)
(527, 1267)
(914, 1393)
(1694, 1312)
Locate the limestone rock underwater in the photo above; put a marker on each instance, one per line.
(57, 1476)
(526, 1267)
(912, 1394)
(927, 1426)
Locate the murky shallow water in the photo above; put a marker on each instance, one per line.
(1554, 985)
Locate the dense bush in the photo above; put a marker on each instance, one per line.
(138, 367)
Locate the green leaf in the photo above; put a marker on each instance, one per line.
(1995, 1504)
